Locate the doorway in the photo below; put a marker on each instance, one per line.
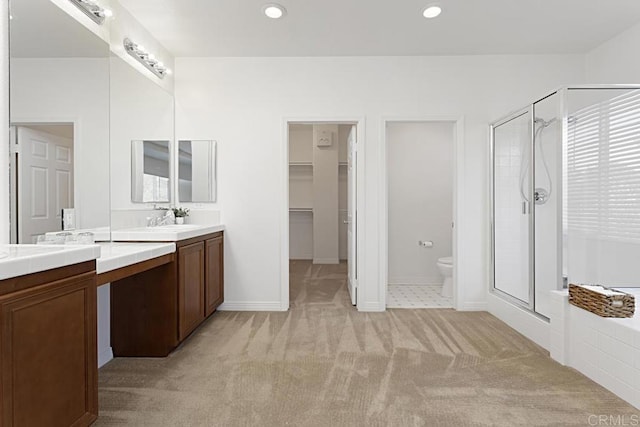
(322, 219)
(420, 168)
(42, 180)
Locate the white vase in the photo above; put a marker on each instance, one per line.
(180, 220)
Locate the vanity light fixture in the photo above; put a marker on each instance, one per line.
(93, 10)
(145, 58)
(431, 11)
(274, 10)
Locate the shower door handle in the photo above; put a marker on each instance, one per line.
(526, 208)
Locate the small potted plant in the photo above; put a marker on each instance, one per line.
(180, 214)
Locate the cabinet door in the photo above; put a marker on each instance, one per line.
(48, 351)
(190, 288)
(214, 274)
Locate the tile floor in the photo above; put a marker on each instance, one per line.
(417, 296)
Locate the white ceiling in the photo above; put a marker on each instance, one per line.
(383, 27)
(40, 29)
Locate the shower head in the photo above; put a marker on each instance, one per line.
(544, 122)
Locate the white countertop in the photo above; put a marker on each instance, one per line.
(100, 234)
(164, 233)
(121, 254)
(19, 260)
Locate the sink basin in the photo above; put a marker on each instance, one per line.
(4, 255)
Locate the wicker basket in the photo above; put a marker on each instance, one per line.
(601, 304)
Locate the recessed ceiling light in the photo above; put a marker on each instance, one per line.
(274, 11)
(432, 11)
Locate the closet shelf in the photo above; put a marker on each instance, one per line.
(309, 164)
(300, 209)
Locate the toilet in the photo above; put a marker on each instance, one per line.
(445, 265)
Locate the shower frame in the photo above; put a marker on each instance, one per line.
(562, 93)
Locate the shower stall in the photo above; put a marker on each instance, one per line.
(565, 194)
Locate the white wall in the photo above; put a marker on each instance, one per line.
(615, 61)
(244, 102)
(64, 90)
(420, 191)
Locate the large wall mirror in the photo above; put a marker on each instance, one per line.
(59, 113)
(197, 171)
(142, 129)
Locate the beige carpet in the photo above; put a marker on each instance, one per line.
(324, 364)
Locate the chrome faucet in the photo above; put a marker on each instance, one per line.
(168, 218)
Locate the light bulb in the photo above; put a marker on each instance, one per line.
(432, 11)
(274, 11)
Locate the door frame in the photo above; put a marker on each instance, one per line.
(359, 122)
(36, 121)
(458, 198)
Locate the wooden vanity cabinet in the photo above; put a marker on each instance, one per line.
(48, 366)
(200, 280)
(158, 307)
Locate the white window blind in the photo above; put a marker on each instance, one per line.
(603, 169)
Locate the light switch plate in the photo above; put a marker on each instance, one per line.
(68, 219)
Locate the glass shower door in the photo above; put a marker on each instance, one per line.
(547, 196)
(512, 207)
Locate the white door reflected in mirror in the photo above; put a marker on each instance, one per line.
(44, 171)
(197, 171)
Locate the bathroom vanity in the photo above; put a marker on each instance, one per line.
(160, 293)
(158, 303)
(48, 368)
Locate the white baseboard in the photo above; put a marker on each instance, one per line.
(406, 280)
(473, 306)
(371, 306)
(104, 357)
(326, 261)
(251, 306)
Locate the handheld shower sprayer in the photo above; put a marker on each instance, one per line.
(541, 195)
